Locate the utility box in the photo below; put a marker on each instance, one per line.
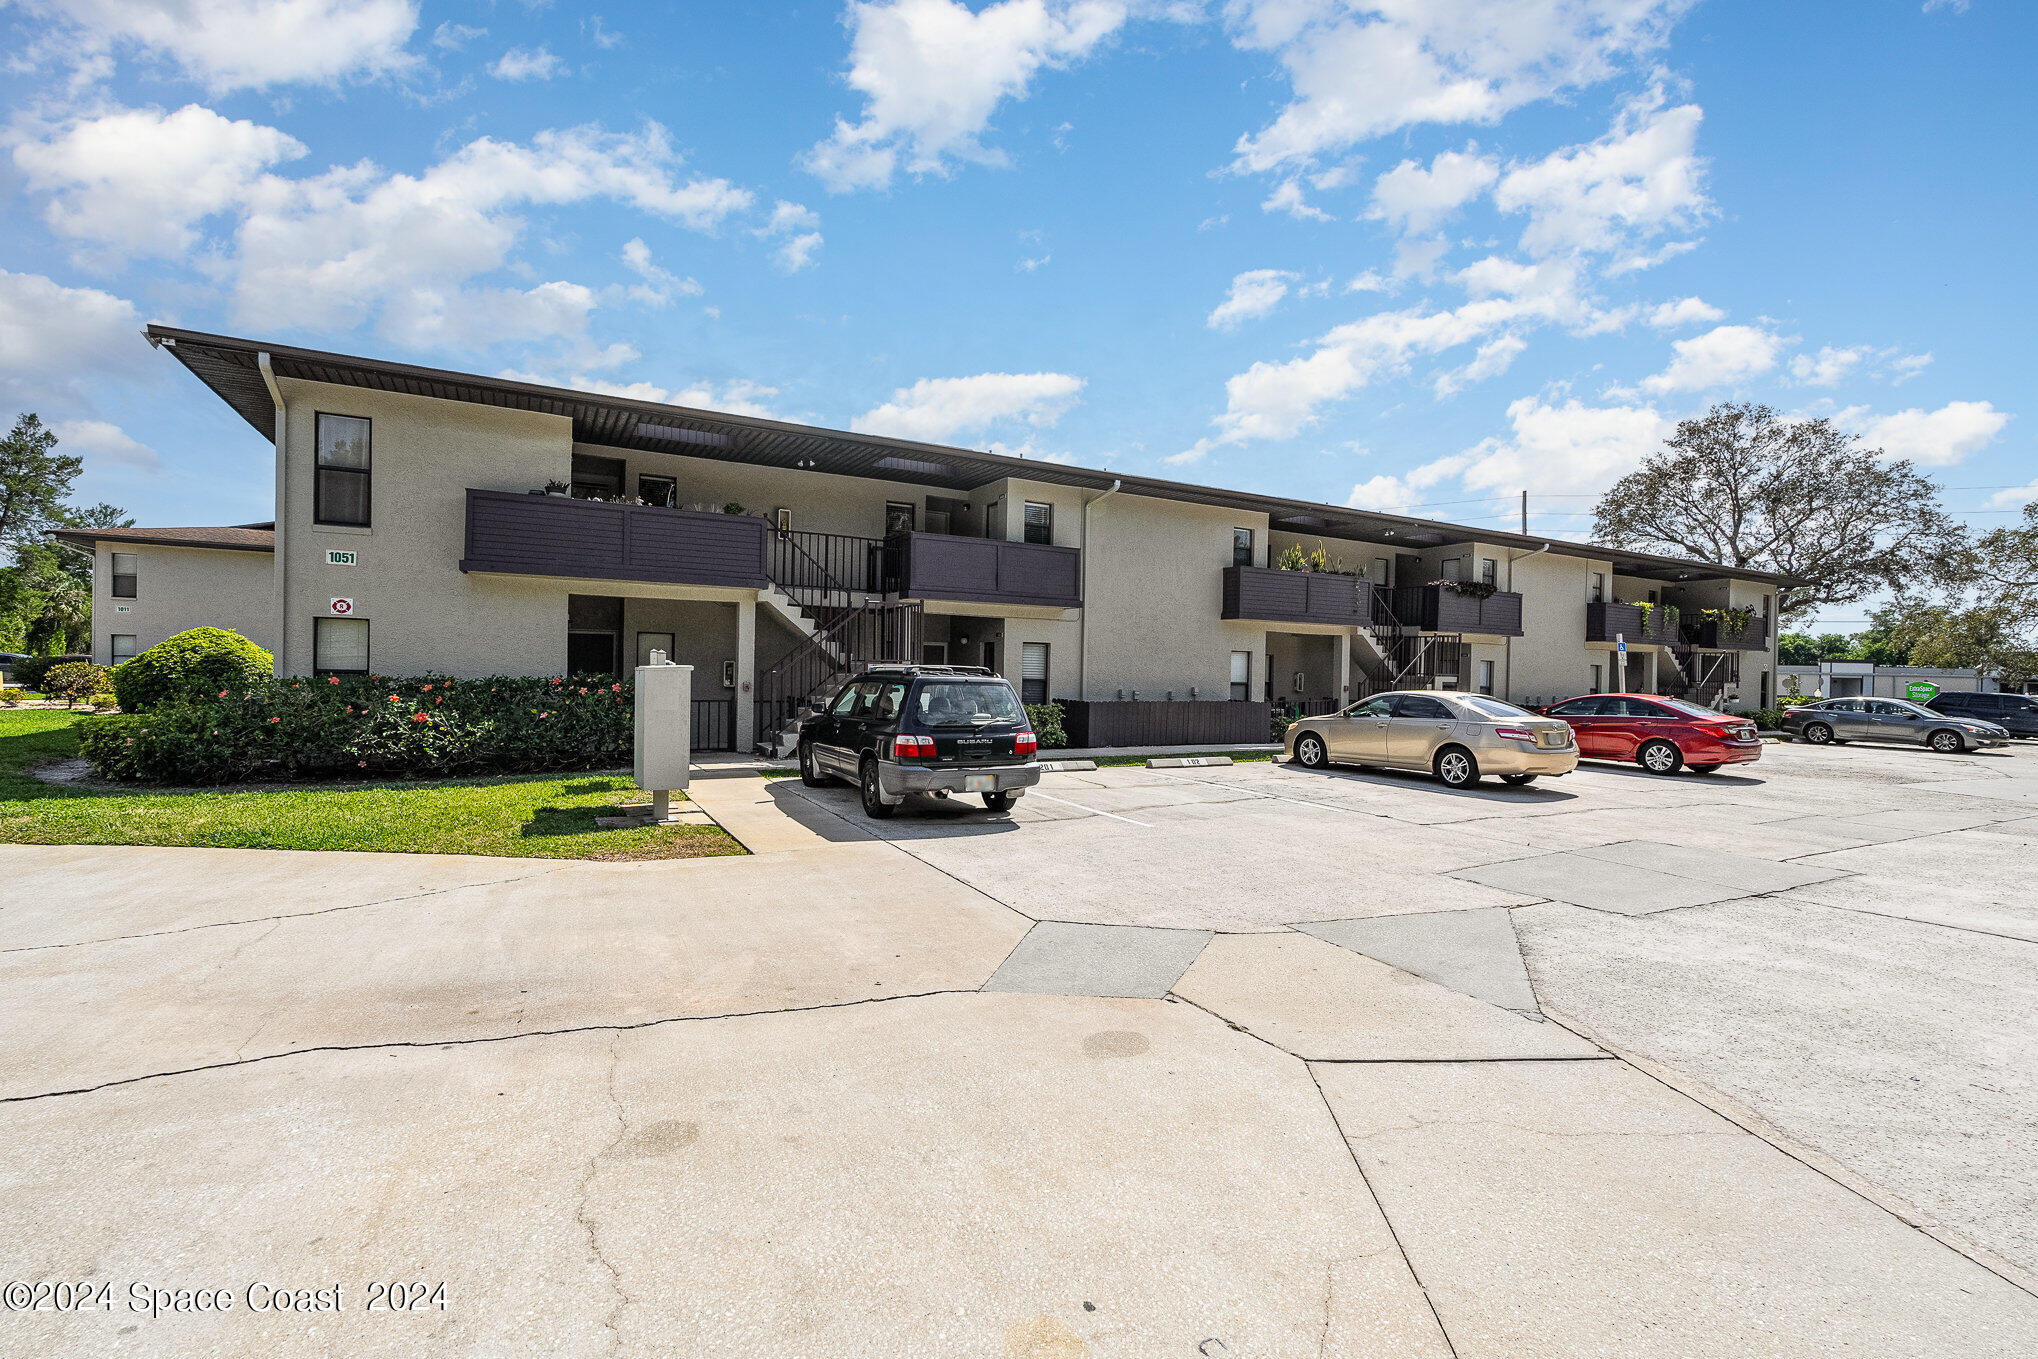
(664, 736)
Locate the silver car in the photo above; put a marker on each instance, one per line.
(1840, 720)
(1456, 736)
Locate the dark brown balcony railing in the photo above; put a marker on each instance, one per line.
(547, 535)
(982, 570)
(1268, 595)
(1438, 608)
(1613, 622)
(1710, 634)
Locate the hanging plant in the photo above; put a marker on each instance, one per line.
(1731, 620)
(1470, 589)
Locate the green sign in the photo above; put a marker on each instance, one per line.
(1921, 691)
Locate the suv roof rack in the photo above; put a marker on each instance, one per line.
(914, 667)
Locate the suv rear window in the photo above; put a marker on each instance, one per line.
(962, 703)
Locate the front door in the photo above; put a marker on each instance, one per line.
(1420, 723)
(934, 653)
(1359, 735)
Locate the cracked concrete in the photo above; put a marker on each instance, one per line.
(761, 1106)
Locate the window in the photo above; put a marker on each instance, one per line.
(1580, 707)
(1033, 672)
(1486, 677)
(1421, 705)
(964, 703)
(1598, 679)
(1598, 591)
(845, 701)
(124, 564)
(597, 478)
(1241, 547)
(1454, 568)
(1039, 522)
(1382, 706)
(123, 647)
(900, 516)
(339, 646)
(1241, 676)
(339, 494)
(648, 642)
(1489, 570)
(660, 491)
(1492, 707)
(1383, 571)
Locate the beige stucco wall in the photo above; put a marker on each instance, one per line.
(821, 502)
(180, 588)
(423, 613)
(1153, 596)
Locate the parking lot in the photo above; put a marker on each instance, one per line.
(1224, 1060)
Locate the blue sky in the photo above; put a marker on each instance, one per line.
(1414, 254)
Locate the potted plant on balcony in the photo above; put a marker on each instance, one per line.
(1469, 589)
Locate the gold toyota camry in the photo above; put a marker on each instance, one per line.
(1458, 737)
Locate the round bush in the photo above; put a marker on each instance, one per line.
(74, 681)
(191, 665)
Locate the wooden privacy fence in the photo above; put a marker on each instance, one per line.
(1092, 724)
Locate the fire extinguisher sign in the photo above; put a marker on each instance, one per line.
(343, 607)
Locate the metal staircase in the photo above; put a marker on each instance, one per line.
(1395, 655)
(830, 588)
(1698, 676)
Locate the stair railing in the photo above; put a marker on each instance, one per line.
(853, 638)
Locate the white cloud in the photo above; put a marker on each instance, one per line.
(932, 73)
(1636, 261)
(523, 63)
(658, 284)
(938, 409)
(799, 226)
(1908, 366)
(57, 343)
(1641, 179)
(451, 37)
(1685, 311)
(103, 444)
(1360, 71)
(356, 242)
(1287, 197)
(1954, 6)
(1721, 356)
(1032, 263)
(1937, 438)
(1572, 449)
(142, 179)
(1253, 294)
(1492, 359)
(2015, 498)
(249, 44)
(1410, 198)
(1828, 367)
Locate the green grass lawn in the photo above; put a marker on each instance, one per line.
(548, 817)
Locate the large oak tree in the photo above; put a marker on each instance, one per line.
(1749, 487)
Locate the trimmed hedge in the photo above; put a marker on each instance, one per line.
(189, 666)
(365, 726)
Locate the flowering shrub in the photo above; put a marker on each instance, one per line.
(355, 726)
(188, 666)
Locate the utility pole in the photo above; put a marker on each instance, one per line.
(1524, 512)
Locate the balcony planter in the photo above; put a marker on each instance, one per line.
(1457, 606)
(1609, 622)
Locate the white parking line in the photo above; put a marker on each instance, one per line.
(1091, 810)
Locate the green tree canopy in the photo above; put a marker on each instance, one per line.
(46, 590)
(1749, 487)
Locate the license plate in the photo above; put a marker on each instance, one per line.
(979, 783)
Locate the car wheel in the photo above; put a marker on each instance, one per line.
(810, 767)
(1310, 752)
(1659, 757)
(1518, 780)
(874, 806)
(1946, 742)
(1456, 767)
(1000, 802)
(1818, 734)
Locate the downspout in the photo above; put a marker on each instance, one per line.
(1083, 584)
(1507, 643)
(281, 579)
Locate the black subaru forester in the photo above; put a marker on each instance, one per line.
(894, 730)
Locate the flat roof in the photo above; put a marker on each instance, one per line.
(228, 365)
(233, 538)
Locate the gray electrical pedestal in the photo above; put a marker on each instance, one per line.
(664, 736)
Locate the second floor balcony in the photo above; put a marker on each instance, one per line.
(945, 566)
(1721, 634)
(1630, 622)
(1268, 595)
(1439, 607)
(550, 535)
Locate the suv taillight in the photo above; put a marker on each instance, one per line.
(1025, 743)
(912, 747)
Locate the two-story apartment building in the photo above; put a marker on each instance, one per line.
(438, 521)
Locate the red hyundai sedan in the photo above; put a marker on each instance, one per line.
(1659, 734)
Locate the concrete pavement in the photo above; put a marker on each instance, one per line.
(1065, 1082)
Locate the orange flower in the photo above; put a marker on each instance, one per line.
(332, 679)
(274, 720)
(419, 717)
